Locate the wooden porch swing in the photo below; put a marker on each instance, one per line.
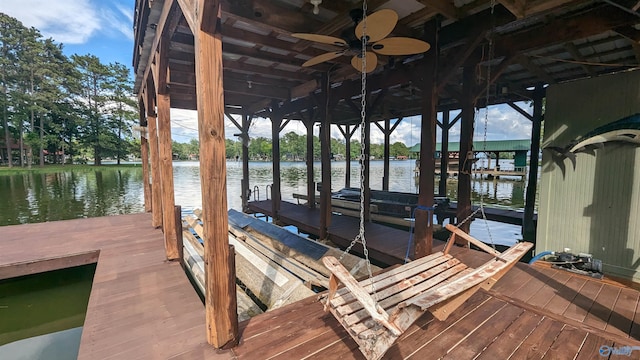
(439, 283)
(378, 310)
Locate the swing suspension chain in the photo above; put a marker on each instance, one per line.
(363, 117)
(480, 208)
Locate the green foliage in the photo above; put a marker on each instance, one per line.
(58, 105)
(293, 147)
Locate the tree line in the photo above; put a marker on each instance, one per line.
(56, 107)
(293, 147)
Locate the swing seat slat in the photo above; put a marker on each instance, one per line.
(378, 310)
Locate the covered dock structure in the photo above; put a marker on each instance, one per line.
(239, 60)
(490, 149)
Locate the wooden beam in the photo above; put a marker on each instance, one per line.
(311, 191)
(459, 57)
(325, 143)
(466, 146)
(266, 14)
(156, 186)
(166, 176)
(428, 83)
(444, 7)
(573, 50)
(516, 7)
(629, 32)
(536, 70)
(444, 153)
(220, 297)
(244, 88)
(528, 226)
(144, 156)
(168, 11)
(207, 10)
(564, 29)
(276, 196)
(244, 137)
(265, 71)
(189, 10)
(520, 110)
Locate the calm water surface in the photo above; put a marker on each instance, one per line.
(28, 198)
(69, 194)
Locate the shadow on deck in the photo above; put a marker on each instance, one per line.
(144, 307)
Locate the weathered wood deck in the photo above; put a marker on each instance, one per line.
(142, 307)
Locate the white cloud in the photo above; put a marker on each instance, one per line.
(71, 21)
(118, 23)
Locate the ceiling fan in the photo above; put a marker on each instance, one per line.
(379, 25)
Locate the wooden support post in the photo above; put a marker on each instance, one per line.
(244, 138)
(144, 157)
(325, 150)
(387, 153)
(177, 213)
(528, 226)
(347, 156)
(166, 175)
(276, 122)
(424, 219)
(220, 298)
(444, 154)
(348, 134)
(156, 189)
(466, 146)
(311, 190)
(366, 163)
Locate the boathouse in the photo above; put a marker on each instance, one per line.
(240, 59)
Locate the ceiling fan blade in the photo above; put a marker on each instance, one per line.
(320, 38)
(400, 46)
(372, 62)
(322, 58)
(379, 25)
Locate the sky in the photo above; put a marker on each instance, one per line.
(105, 29)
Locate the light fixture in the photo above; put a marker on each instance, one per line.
(315, 3)
(249, 84)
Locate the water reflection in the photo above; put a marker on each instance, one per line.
(504, 192)
(38, 197)
(74, 194)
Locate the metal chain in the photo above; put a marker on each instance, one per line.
(480, 209)
(363, 117)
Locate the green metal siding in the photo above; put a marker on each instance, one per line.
(493, 145)
(594, 207)
(520, 159)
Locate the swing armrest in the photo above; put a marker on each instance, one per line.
(376, 311)
(473, 240)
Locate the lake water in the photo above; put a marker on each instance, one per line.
(41, 315)
(36, 197)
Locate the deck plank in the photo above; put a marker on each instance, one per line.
(144, 307)
(505, 344)
(601, 309)
(567, 344)
(477, 339)
(621, 319)
(539, 340)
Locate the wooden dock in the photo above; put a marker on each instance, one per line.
(143, 307)
(342, 230)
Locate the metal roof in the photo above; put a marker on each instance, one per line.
(534, 42)
(492, 146)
